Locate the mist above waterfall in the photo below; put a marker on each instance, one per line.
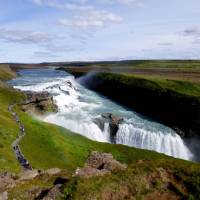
(78, 107)
(87, 79)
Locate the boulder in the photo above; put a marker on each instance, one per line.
(29, 174)
(53, 171)
(88, 171)
(99, 164)
(54, 193)
(7, 180)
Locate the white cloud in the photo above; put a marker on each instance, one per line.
(73, 5)
(82, 5)
(47, 44)
(94, 18)
(129, 1)
(24, 36)
(88, 17)
(125, 2)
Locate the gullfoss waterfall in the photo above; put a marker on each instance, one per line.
(78, 108)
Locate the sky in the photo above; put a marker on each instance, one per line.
(87, 30)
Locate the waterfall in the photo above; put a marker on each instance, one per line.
(168, 143)
(87, 128)
(78, 108)
(106, 132)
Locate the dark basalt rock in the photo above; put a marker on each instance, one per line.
(113, 121)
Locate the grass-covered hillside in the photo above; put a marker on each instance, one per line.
(149, 175)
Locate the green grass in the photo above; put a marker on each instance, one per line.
(8, 130)
(176, 64)
(6, 73)
(143, 64)
(154, 83)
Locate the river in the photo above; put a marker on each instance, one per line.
(78, 107)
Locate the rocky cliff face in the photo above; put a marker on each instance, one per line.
(113, 121)
(39, 102)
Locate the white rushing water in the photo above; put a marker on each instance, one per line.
(78, 107)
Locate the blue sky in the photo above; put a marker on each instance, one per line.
(74, 30)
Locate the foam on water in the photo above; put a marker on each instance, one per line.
(78, 107)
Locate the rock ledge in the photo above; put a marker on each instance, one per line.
(99, 164)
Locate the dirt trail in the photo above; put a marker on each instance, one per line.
(15, 145)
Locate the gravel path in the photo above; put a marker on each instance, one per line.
(15, 145)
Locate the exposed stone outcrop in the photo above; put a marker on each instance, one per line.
(55, 192)
(4, 195)
(113, 121)
(57, 177)
(53, 171)
(29, 174)
(7, 180)
(99, 164)
(39, 102)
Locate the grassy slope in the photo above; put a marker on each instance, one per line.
(6, 73)
(161, 64)
(8, 128)
(177, 64)
(154, 83)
